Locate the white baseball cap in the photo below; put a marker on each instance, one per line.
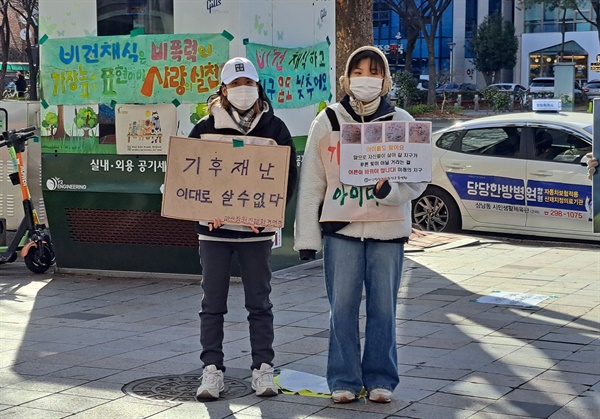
(238, 67)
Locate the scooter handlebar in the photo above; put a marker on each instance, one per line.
(17, 135)
(25, 130)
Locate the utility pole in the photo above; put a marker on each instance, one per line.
(451, 45)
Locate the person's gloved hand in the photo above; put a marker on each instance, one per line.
(307, 254)
(592, 163)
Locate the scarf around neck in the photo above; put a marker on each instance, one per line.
(244, 122)
(365, 109)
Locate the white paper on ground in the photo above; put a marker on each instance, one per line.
(295, 381)
(512, 298)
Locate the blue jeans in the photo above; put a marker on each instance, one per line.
(349, 265)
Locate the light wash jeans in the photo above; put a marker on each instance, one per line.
(349, 265)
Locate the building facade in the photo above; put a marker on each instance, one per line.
(542, 43)
(537, 28)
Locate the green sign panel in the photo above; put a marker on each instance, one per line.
(132, 69)
(103, 173)
(292, 77)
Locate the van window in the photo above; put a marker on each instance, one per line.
(542, 83)
(497, 142)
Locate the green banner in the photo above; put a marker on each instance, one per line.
(292, 77)
(132, 69)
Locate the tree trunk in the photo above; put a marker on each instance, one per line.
(563, 29)
(408, 53)
(60, 129)
(4, 41)
(488, 77)
(431, 99)
(411, 43)
(354, 29)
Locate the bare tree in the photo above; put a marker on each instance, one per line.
(411, 26)
(595, 4)
(354, 29)
(4, 38)
(428, 13)
(569, 5)
(28, 11)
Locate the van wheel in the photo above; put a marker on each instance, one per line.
(435, 210)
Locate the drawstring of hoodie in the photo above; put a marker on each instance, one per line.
(364, 109)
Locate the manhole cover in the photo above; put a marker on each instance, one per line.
(181, 388)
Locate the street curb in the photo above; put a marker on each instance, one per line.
(124, 274)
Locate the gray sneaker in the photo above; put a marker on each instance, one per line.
(262, 381)
(212, 383)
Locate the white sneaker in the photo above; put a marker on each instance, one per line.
(262, 381)
(380, 395)
(212, 383)
(342, 396)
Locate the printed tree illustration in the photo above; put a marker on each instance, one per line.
(199, 112)
(60, 128)
(86, 119)
(50, 122)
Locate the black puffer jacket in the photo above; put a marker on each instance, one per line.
(266, 125)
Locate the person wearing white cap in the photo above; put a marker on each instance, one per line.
(357, 255)
(240, 107)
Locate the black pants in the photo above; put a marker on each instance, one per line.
(254, 258)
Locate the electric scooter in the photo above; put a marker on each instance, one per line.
(31, 238)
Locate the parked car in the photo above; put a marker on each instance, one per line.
(516, 173)
(546, 84)
(592, 89)
(509, 87)
(423, 84)
(456, 87)
(393, 94)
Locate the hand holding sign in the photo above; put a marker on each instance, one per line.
(395, 150)
(213, 180)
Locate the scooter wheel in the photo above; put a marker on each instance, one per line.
(12, 258)
(39, 262)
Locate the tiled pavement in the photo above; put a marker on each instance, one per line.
(68, 343)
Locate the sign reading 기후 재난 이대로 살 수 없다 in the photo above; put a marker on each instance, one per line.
(226, 177)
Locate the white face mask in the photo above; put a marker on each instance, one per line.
(366, 89)
(242, 97)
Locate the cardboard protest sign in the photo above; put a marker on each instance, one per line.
(226, 177)
(397, 150)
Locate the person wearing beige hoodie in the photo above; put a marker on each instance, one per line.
(366, 254)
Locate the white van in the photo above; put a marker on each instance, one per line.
(546, 84)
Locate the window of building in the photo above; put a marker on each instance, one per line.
(541, 18)
(120, 17)
(541, 62)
